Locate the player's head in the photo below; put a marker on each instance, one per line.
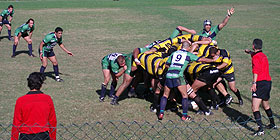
(207, 25)
(58, 32)
(257, 44)
(213, 51)
(186, 45)
(35, 80)
(10, 8)
(30, 22)
(121, 60)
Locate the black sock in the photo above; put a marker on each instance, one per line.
(258, 119)
(185, 106)
(14, 49)
(269, 115)
(112, 89)
(55, 69)
(200, 104)
(237, 93)
(163, 102)
(42, 69)
(103, 90)
(214, 97)
(30, 49)
(156, 100)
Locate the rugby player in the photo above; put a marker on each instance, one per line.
(46, 51)
(22, 31)
(212, 32)
(110, 66)
(9, 12)
(179, 31)
(224, 63)
(176, 65)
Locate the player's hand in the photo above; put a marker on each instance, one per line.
(247, 51)
(254, 87)
(137, 61)
(215, 58)
(124, 67)
(41, 56)
(230, 11)
(70, 53)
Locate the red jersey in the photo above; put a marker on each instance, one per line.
(34, 113)
(260, 66)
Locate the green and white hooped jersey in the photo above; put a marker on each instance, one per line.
(24, 28)
(50, 41)
(5, 13)
(178, 62)
(212, 33)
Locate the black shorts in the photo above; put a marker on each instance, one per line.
(4, 21)
(47, 54)
(37, 136)
(263, 90)
(229, 77)
(24, 34)
(209, 76)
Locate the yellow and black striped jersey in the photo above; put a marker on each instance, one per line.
(153, 63)
(225, 58)
(203, 50)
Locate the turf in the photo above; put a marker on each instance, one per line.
(95, 28)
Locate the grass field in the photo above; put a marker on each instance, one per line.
(95, 28)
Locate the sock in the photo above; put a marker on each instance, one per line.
(163, 102)
(113, 87)
(200, 104)
(42, 69)
(185, 106)
(156, 100)
(269, 115)
(237, 93)
(55, 69)
(214, 97)
(258, 119)
(103, 90)
(9, 34)
(30, 49)
(14, 49)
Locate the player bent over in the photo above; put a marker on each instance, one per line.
(22, 31)
(110, 66)
(176, 64)
(46, 51)
(4, 19)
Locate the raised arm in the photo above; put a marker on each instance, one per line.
(225, 21)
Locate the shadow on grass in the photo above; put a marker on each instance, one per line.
(238, 117)
(2, 37)
(52, 75)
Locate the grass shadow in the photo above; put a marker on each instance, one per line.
(238, 117)
(2, 37)
(51, 75)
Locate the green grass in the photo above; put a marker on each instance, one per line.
(93, 29)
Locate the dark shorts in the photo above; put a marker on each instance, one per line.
(46, 53)
(38, 136)
(4, 22)
(229, 77)
(172, 83)
(263, 90)
(209, 76)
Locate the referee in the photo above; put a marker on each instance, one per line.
(261, 86)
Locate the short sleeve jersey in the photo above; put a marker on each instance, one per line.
(112, 58)
(178, 62)
(212, 33)
(5, 13)
(50, 41)
(225, 58)
(24, 28)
